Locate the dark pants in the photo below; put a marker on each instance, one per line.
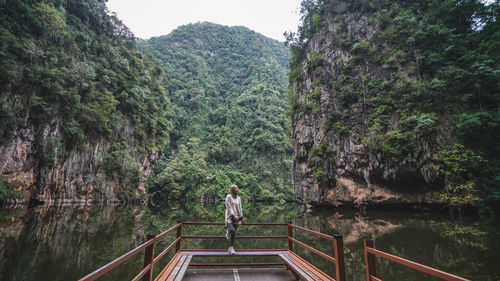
(232, 231)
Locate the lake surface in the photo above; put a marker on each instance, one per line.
(66, 243)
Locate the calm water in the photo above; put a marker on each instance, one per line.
(66, 243)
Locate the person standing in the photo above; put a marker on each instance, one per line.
(234, 215)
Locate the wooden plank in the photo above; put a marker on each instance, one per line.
(177, 267)
(309, 272)
(184, 267)
(309, 275)
(298, 269)
(322, 275)
(168, 268)
(312, 270)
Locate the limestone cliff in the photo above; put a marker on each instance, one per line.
(77, 175)
(83, 113)
(369, 120)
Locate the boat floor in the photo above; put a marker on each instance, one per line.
(239, 274)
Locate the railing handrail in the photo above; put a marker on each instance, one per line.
(161, 235)
(315, 233)
(123, 258)
(370, 264)
(311, 249)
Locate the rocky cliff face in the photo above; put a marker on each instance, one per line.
(77, 175)
(349, 148)
(83, 114)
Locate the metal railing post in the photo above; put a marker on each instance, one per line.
(179, 234)
(149, 255)
(339, 258)
(369, 260)
(289, 234)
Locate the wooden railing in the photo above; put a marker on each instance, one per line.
(371, 252)
(338, 248)
(149, 260)
(146, 274)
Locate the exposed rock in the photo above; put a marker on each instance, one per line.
(73, 177)
(352, 173)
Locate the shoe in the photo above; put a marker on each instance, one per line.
(228, 235)
(231, 251)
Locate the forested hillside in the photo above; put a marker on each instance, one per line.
(83, 113)
(227, 88)
(396, 102)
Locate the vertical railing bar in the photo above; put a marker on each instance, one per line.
(339, 257)
(289, 234)
(179, 235)
(149, 255)
(369, 260)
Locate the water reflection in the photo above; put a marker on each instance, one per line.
(65, 243)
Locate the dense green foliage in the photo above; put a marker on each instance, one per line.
(7, 190)
(74, 65)
(442, 85)
(73, 60)
(227, 90)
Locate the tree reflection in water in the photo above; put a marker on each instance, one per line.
(67, 242)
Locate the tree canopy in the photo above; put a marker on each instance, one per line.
(227, 91)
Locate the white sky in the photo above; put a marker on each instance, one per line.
(148, 18)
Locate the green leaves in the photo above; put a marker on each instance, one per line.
(186, 173)
(52, 20)
(8, 190)
(461, 166)
(120, 165)
(457, 160)
(96, 113)
(227, 88)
